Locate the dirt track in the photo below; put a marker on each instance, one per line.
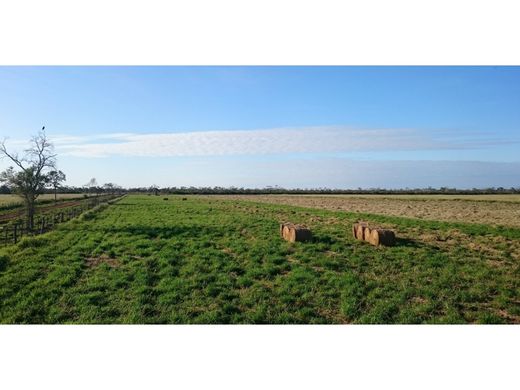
(475, 211)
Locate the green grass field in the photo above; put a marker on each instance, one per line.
(149, 260)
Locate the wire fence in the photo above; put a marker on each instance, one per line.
(13, 231)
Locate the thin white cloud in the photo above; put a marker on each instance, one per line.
(258, 142)
(71, 140)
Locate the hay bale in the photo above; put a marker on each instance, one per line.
(285, 229)
(360, 230)
(355, 229)
(375, 236)
(293, 233)
(366, 233)
(382, 237)
(299, 233)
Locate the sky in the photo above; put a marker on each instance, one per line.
(293, 127)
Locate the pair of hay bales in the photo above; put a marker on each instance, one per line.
(293, 233)
(374, 236)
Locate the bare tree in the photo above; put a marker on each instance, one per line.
(111, 188)
(155, 189)
(31, 178)
(55, 180)
(92, 186)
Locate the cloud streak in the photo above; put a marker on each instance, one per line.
(262, 142)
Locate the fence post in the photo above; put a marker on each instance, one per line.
(15, 233)
(42, 227)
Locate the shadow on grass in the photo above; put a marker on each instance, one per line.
(323, 239)
(399, 242)
(409, 243)
(4, 260)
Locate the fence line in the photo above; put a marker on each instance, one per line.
(13, 232)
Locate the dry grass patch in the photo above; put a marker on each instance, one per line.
(501, 211)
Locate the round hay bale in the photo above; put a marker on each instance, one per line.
(286, 231)
(360, 231)
(366, 233)
(382, 237)
(291, 234)
(299, 233)
(354, 230)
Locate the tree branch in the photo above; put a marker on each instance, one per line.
(13, 157)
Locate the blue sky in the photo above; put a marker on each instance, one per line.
(338, 127)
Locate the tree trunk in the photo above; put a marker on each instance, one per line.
(29, 209)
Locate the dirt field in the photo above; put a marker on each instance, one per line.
(486, 209)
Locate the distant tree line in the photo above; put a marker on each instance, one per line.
(112, 188)
(104, 189)
(310, 191)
